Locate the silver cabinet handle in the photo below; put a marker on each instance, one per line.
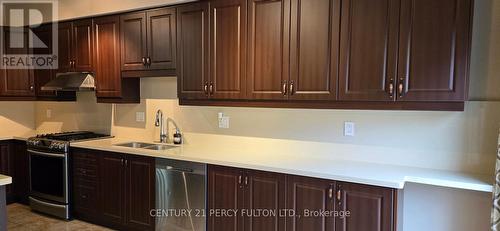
(239, 179)
(144, 61)
(283, 89)
(291, 88)
(401, 87)
(211, 88)
(391, 88)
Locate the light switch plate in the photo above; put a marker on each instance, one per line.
(140, 116)
(223, 120)
(349, 128)
(49, 113)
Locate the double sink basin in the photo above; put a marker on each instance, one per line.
(149, 146)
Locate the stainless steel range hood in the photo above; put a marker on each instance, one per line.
(71, 81)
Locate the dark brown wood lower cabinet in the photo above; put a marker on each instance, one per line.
(140, 192)
(113, 189)
(225, 192)
(300, 203)
(6, 167)
(308, 194)
(264, 192)
(20, 171)
(371, 208)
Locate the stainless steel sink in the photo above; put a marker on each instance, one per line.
(134, 145)
(160, 147)
(150, 146)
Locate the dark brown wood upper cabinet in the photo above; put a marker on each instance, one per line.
(227, 49)
(133, 41)
(16, 82)
(314, 42)
(82, 45)
(75, 46)
(268, 49)
(370, 207)
(161, 38)
(43, 76)
(434, 50)
(149, 41)
(192, 50)
(107, 56)
(368, 50)
(64, 47)
(311, 194)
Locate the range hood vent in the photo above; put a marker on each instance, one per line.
(71, 81)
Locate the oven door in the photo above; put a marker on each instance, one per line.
(49, 176)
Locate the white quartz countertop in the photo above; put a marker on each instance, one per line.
(276, 157)
(12, 138)
(5, 180)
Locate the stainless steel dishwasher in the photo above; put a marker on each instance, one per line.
(180, 195)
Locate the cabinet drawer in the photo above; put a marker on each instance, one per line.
(89, 172)
(85, 197)
(84, 158)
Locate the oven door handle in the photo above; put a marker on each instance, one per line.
(47, 154)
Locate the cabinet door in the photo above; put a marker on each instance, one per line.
(133, 41)
(140, 192)
(192, 51)
(161, 38)
(268, 43)
(434, 50)
(21, 170)
(64, 47)
(107, 56)
(17, 82)
(112, 186)
(368, 49)
(370, 208)
(265, 191)
(314, 49)
(43, 76)
(228, 49)
(82, 45)
(309, 194)
(225, 191)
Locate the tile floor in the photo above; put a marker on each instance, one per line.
(21, 218)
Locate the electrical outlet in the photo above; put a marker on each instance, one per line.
(349, 128)
(49, 113)
(140, 116)
(223, 120)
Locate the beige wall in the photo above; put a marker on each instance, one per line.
(85, 114)
(17, 119)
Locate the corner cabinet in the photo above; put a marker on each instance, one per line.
(346, 54)
(293, 198)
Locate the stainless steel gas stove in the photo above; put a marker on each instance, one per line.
(49, 181)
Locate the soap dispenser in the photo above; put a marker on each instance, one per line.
(177, 137)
